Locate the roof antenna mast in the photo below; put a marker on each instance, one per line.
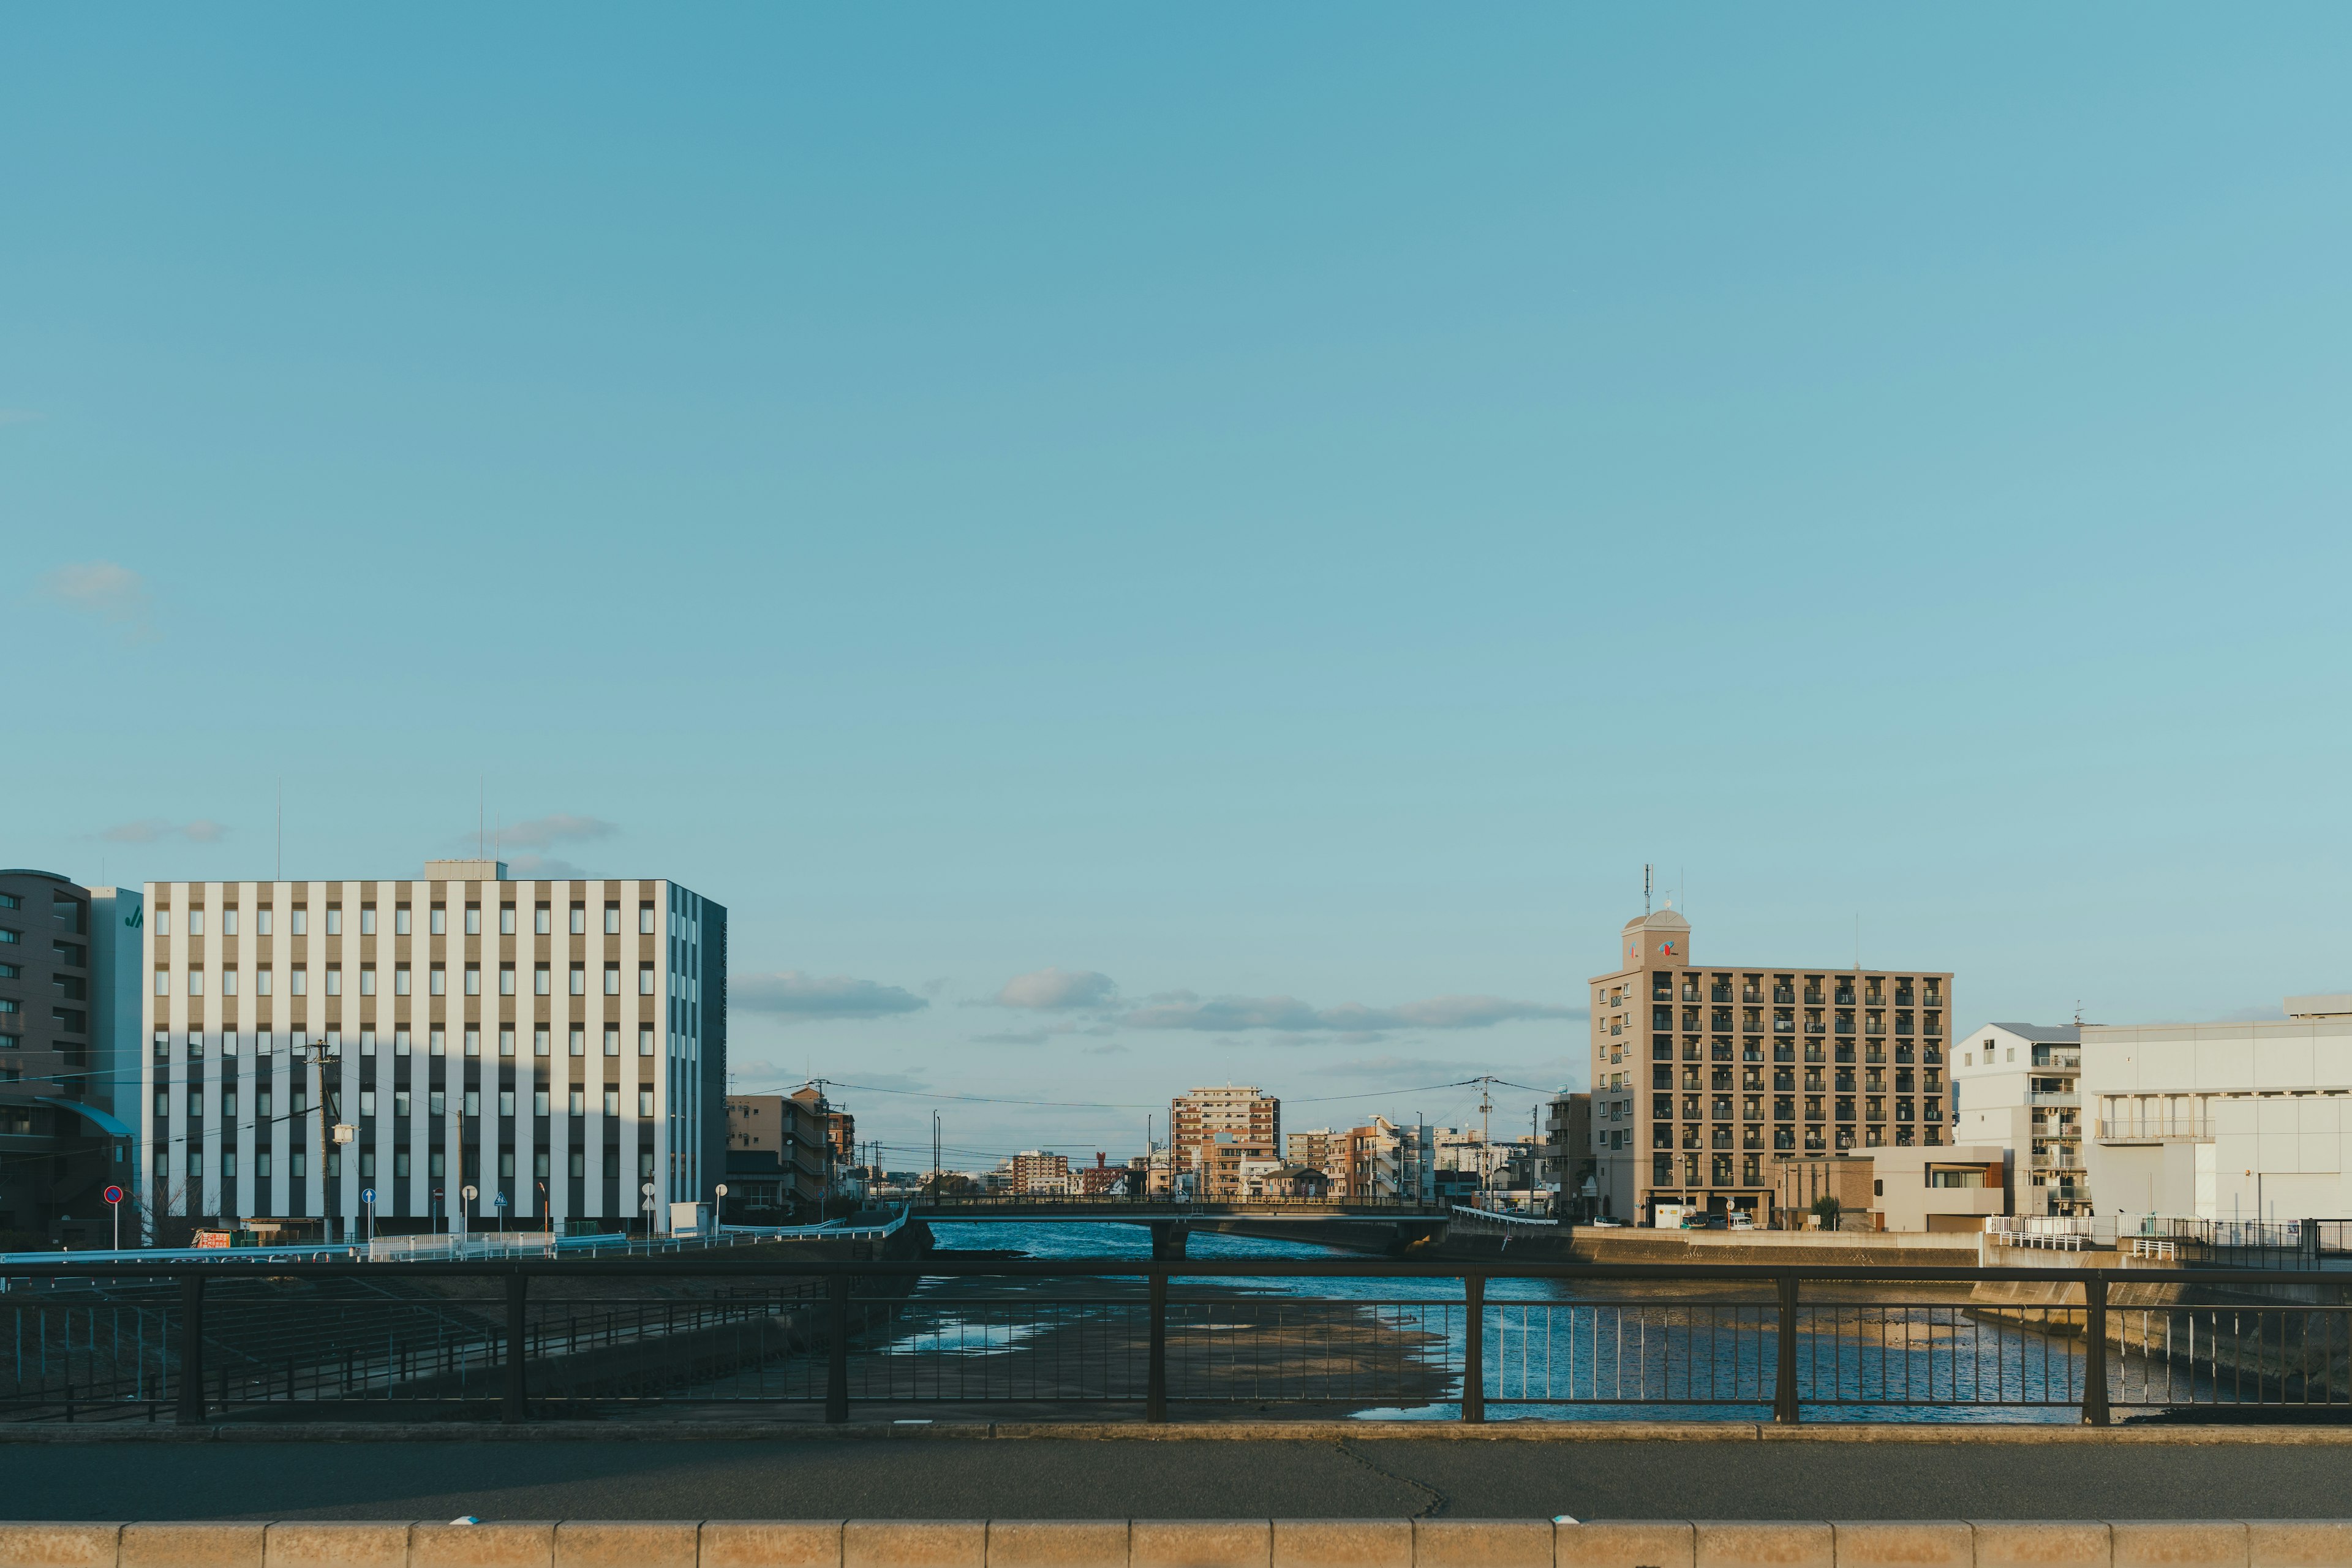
(1645, 890)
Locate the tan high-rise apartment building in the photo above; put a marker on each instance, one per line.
(1242, 1116)
(1702, 1074)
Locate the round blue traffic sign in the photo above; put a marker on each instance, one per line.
(367, 1194)
(112, 1195)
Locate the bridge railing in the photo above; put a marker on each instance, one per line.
(527, 1339)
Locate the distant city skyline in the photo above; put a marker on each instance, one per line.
(1133, 552)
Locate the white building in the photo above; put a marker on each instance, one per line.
(2014, 1086)
(558, 1045)
(2224, 1121)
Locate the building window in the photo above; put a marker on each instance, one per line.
(400, 1042)
(611, 1102)
(611, 980)
(367, 920)
(473, 1103)
(162, 983)
(436, 980)
(612, 919)
(646, 1162)
(261, 983)
(506, 1042)
(261, 1164)
(400, 980)
(334, 980)
(539, 920)
(506, 1108)
(540, 980)
(645, 979)
(506, 1163)
(229, 921)
(579, 919)
(400, 1102)
(196, 922)
(579, 1102)
(400, 1165)
(367, 1102)
(440, 1043)
(579, 980)
(578, 1041)
(300, 981)
(644, 919)
(506, 919)
(646, 1103)
(472, 1042)
(473, 919)
(645, 1042)
(261, 921)
(400, 919)
(334, 919)
(506, 979)
(539, 1163)
(438, 920)
(473, 980)
(437, 1165)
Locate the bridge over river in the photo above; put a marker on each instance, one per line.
(1379, 1224)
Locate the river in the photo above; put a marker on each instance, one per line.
(1554, 1349)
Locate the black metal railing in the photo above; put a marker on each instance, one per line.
(525, 1340)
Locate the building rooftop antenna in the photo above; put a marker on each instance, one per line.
(1645, 890)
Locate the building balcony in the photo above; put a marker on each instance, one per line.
(2069, 1100)
(2155, 1130)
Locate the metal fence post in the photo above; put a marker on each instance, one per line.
(1784, 1381)
(1155, 1376)
(2094, 1349)
(836, 1349)
(516, 1405)
(192, 1348)
(1473, 1347)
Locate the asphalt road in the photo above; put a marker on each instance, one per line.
(831, 1478)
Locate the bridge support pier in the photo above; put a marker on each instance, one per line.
(1168, 1239)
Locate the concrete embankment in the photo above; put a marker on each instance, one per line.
(1561, 1542)
(1435, 1241)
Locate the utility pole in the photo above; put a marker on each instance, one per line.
(1485, 1136)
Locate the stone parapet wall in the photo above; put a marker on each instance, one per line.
(1186, 1543)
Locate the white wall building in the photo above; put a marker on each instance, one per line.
(558, 1043)
(2224, 1121)
(2015, 1087)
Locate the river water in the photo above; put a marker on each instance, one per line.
(1570, 1350)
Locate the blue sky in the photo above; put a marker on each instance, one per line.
(1259, 523)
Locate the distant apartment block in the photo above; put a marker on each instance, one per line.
(1704, 1074)
(779, 1163)
(69, 1056)
(1032, 1171)
(2242, 1120)
(2015, 1087)
(557, 1045)
(1217, 1131)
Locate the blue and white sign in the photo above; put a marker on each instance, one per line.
(367, 1194)
(499, 1202)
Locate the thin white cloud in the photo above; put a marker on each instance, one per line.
(1015, 1037)
(560, 827)
(19, 415)
(1058, 990)
(151, 829)
(1289, 1014)
(797, 998)
(111, 592)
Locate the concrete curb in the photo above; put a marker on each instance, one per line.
(1189, 1543)
(1183, 1432)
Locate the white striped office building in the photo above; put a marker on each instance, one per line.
(559, 1043)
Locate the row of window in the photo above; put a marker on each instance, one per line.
(298, 980)
(436, 1043)
(435, 1167)
(436, 920)
(402, 1101)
